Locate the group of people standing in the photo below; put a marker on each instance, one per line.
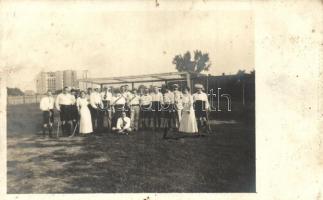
(125, 111)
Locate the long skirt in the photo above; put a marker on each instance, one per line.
(85, 121)
(188, 122)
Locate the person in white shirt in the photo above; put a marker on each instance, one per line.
(169, 112)
(156, 105)
(63, 104)
(145, 106)
(178, 98)
(134, 103)
(95, 104)
(201, 106)
(47, 106)
(85, 115)
(106, 112)
(119, 102)
(124, 90)
(123, 124)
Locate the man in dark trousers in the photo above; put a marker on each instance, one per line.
(47, 106)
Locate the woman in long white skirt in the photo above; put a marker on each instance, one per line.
(188, 122)
(85, 115)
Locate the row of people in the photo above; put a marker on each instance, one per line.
(96, 111)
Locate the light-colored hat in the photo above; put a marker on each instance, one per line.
(199, 86)
(175, 85)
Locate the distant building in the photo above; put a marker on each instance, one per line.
(29, 92)
(59, 82)
(54, 81)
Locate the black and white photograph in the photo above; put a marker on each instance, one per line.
(103, 98)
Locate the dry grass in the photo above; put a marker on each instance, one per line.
(143, 162)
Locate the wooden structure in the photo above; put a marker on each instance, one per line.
(147, 78)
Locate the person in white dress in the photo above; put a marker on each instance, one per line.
(85, 115)
(188, 121)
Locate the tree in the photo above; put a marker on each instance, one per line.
(184, 63)
(14, 92)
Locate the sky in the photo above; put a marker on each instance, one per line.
(111, 40)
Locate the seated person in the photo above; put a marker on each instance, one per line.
(123, 124)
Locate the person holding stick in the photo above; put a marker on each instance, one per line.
(47, 106)
(201, 106)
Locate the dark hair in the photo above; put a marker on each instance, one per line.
(65, 88)
(187, 88)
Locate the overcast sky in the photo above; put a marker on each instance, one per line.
(116, 42)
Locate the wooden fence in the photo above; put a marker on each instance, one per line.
(25, 99)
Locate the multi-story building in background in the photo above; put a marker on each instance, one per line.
(59, 82)
(54, 81)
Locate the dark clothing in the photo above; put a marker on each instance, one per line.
(169, 114)
(48, 116)
(118, 108)
(66, 112)
(145, 111)
(105, 116)
(200, 110)
(74, 113)
(156, 113)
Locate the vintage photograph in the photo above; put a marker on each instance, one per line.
(109, 100)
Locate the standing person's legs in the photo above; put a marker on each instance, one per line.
(63, 118)
(132, 117)
(142, 118)
(45, 122)
(69, 119)
(159, 113)
(101, 116)
(179, 114)
(136, 117)
(167, 123)
(51, 122)
(110, 116)
(92, 113)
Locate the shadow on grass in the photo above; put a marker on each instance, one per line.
(223, 161)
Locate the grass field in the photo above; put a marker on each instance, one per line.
(223, 161)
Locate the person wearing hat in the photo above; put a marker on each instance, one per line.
(201, 105)
(178, 98)
(105, 109)
(63, 104)
(95, 104)
(156, 104)
(168, 110)
(134, 103)
(145, 105)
